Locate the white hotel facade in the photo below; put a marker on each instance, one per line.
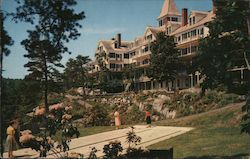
(187, 30)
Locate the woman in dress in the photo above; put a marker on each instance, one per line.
(148, 118)
(117, 119)
(11, 143)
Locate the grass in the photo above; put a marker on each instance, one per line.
(216, 135)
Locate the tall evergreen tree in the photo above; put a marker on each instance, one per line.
(227, 46)
(164, 63)
(5, 42)
(56, 23)
(76, 71)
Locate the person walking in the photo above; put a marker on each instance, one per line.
(117, 119)
(148, 118)
(11, 143)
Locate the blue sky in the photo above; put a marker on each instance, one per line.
(104, 19)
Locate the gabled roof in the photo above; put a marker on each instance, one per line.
(109, 45)
(203, 21)
(155, 30)
(169, 8)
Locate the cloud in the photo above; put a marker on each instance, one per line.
(102, 30)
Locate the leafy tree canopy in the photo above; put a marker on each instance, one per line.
(228, 45)
(164, 58)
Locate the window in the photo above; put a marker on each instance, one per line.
(112, 65)
(146, 61)
(184, 36)
(160, 23)
(168, 18)
(112, 55)
(193, 33)
(193, 20)
(189, 34)
(184, 51)
(169, 30)
(194, 48)
(126, 55)
(202, 31)
(178, 83)
(146, 49)
(115, 44)
(149, 37)
(179, 38)
(132, 54)
(187, 82)
(190, 21)
(174, 19)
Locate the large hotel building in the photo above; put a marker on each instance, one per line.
(187, 30)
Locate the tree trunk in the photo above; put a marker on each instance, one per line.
(1, 107)
(46, 85)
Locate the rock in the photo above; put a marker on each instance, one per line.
(158, 104)
(155, 118)
(165, 112)
(145, 92)
(149, 99)
(168, 114)
(164, 97)
(141, 106)
(130, 108)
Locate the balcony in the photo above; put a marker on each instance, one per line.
(187, 55)
(115, 69)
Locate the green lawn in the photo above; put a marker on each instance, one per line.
(216, 135)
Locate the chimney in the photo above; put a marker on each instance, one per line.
(118, 39)
(214, 7)
(184, 16)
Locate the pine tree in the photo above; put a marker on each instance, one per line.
(56, 23)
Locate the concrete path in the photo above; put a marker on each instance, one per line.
(83, 145)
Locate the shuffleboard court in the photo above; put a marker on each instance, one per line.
(83, 145)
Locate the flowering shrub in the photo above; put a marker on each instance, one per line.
(58, 118)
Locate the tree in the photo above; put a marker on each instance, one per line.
(227, 46)
(76, 71)
(164, 58)
(5, 41)
(55, 23)
(103, 75)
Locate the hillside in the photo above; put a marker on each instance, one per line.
(216, 135)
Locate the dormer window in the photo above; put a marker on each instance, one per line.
(190, 21)
(174, 19)
(160, 23)
(193, 20)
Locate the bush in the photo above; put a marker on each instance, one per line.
(133, 116)
(96, 116)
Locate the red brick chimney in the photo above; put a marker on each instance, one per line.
(184, 16)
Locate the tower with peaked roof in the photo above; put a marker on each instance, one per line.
(169, 12)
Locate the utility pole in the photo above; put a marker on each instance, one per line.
(1, 71)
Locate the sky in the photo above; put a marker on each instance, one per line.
(104, 19)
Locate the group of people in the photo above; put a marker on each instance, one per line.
(118, 119)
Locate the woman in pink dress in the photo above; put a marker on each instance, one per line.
(117, 119)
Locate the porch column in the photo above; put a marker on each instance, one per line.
(191, 80)
(152, 84)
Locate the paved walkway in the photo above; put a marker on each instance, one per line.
(83, 145)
